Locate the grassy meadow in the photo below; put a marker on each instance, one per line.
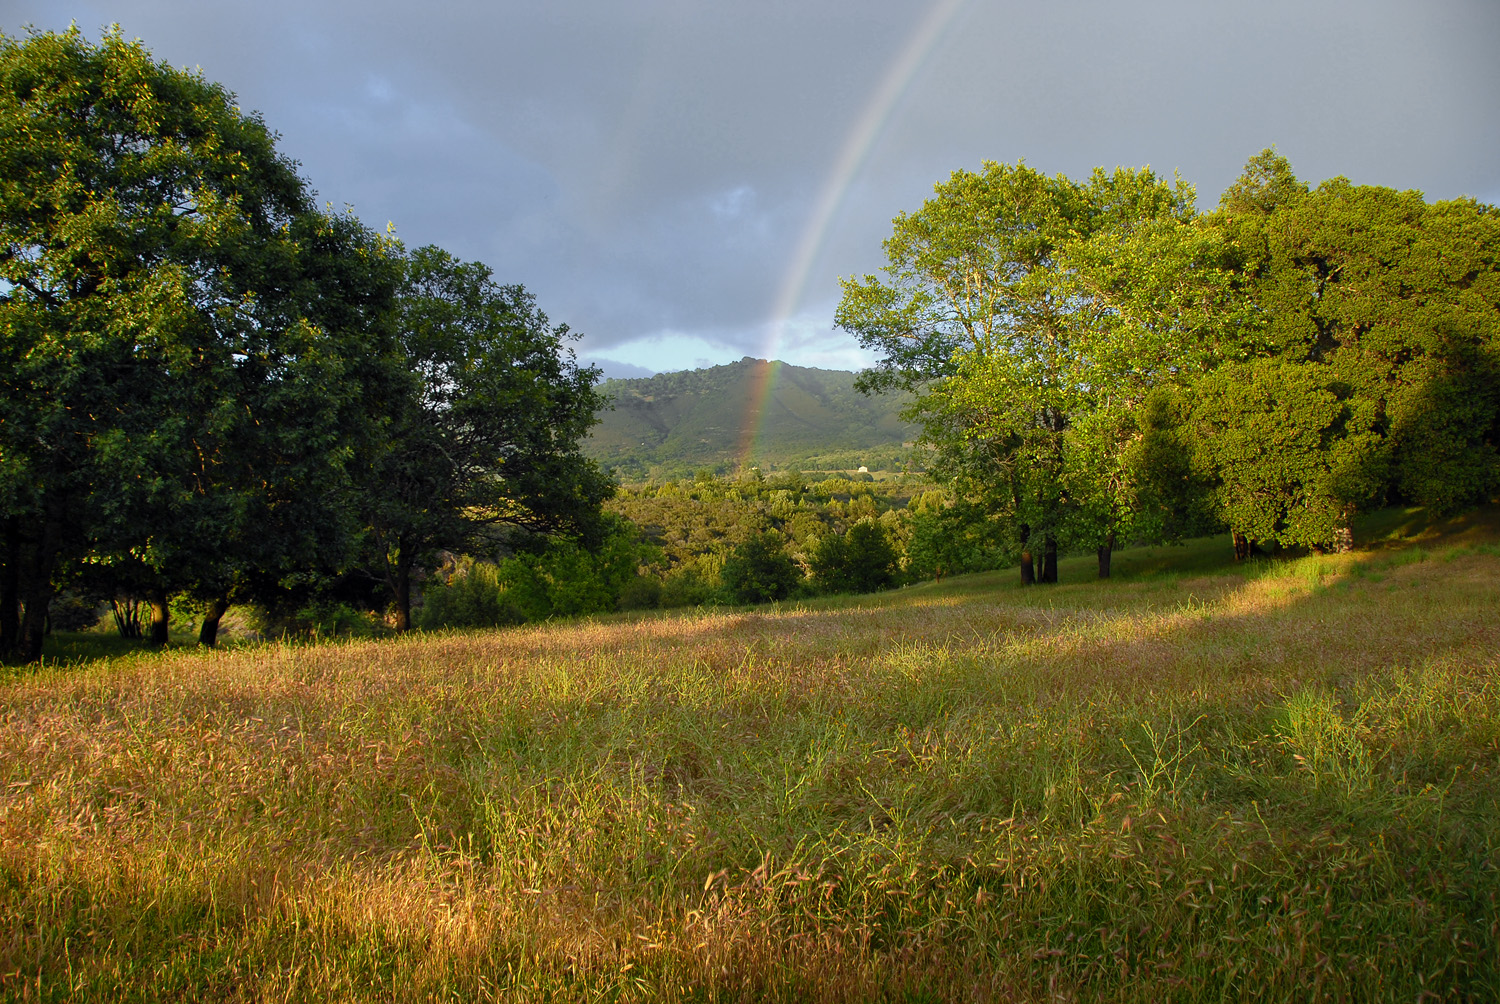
(1196, 782)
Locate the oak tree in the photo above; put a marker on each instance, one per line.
(169, 295)
(486, 433)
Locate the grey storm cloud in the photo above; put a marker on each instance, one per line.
(652, 170)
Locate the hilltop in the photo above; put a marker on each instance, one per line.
(672, 423)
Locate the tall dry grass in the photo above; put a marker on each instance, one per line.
(1273, 783)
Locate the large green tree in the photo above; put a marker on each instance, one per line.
(966, 317)
(182, 333)
(486, 434)
(1157, 304)
(1373, 363)
(860, 560)
(991, 312)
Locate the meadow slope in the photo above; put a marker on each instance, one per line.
(1196, 782)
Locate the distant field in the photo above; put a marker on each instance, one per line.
(1197, 782)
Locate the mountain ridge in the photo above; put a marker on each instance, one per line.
(673, 423)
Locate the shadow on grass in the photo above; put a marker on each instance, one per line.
(1204, 566)
(1185, 618)
(77, 649)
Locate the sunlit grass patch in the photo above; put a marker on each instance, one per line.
(1274, 782)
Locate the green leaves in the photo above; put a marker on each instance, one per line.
(1294, 452)
(191, 351)
(861, 560)
(487, 415)
(1035, 314)
(141, 216)
(1332, 346)
(1393, 305)
(760, 570)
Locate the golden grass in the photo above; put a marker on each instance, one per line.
(1267, 783)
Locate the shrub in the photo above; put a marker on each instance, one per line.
(861, 561)
(950, 539)
(760, 570)
(472, 596)
(691, 585)
(319, 619)
(561, 579)
(72, 612)
(644, 592)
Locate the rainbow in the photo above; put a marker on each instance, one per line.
(856, 150)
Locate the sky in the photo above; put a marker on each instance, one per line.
(684, 183)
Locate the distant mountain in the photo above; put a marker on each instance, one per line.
(671, 424)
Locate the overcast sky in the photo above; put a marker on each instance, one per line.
(685, 182)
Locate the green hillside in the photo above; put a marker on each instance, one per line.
(672, 423)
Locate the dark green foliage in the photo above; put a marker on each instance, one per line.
(210, 388)
(317, 619)
(487, 433)
(185, 341)
(560, 578)
(643, 592)
(759, 570)
(1377, 300)
(472, 596)
(1174, 499)
(951, 539)
(72, 612)
(859, 561)
(691, 585)
(1295, 457)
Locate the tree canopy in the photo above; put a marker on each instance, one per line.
(204, 374)
(488, 432)
(1026, 369)
(1096, 361)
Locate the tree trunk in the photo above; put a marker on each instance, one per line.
(34, 620)
(1241, 546)
(1049, 558)
(1028, 570)
(10, 590)
(402, 589)
(127, 615)
(36, 593)
(208, 634)
(160, 616)
(1106, 551)
(1343, 536)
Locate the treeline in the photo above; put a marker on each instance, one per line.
(212, 389)
(711, 540)
(1096, 362)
